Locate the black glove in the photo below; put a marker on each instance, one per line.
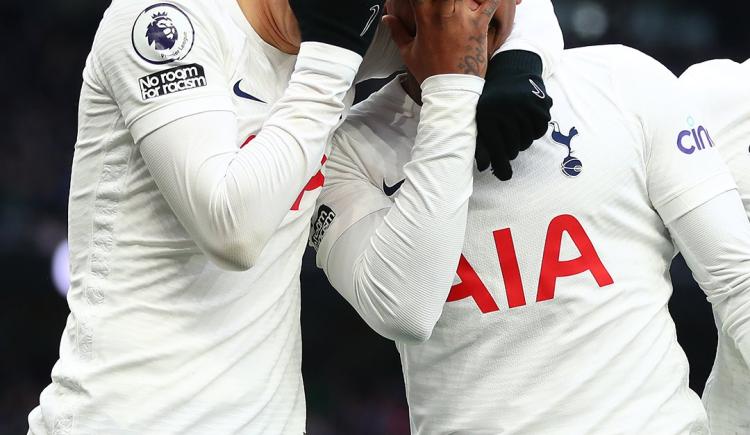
(512, 112)
(349, 24)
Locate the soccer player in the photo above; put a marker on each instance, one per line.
(556, 321)
(202, 128)
(721, 88)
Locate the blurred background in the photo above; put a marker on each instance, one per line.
(353, 377)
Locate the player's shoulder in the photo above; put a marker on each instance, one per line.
(616, 60)
(718, 69)
(379, 133)
(124, 14)
(721, 86)
(632, 80)
(158, 31)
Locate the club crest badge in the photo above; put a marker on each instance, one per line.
(571, 166)
(163, 33)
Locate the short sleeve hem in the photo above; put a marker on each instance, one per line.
(150, 121)
(695, 196)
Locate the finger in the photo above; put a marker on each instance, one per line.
(486, 134)
(400, 35)
(540, 118)
(488, 8)
(512, 135)
(540, 126)
(422, 10)
(502, 169)
(481, 155)
(528, 135)
(445, 8)
(420, 7)
(495, 141)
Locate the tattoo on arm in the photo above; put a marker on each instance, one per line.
(475, 59)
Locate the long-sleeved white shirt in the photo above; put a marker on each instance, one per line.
(557, 321)
(166, 204)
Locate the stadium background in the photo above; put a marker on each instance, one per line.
(353, 377)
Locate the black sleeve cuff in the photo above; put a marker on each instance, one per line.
(521, 61)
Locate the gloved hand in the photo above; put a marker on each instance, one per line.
(513, 111)
(348, 24)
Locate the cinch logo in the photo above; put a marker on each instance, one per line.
(688, 141)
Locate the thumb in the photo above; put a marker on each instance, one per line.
(400, 35)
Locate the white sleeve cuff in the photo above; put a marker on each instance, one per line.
(329, 58)
(453, 82)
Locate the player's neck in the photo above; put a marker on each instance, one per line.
(274, 22)
(412, 88)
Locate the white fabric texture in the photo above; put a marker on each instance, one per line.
(557, 322)
(394, 257)
(722, 89)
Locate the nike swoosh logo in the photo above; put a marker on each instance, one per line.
(537, 90)
(242, 94)
(391, 190)
(375, 11)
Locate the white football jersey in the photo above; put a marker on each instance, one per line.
(159, 339)
(721, 87)
(558, 320)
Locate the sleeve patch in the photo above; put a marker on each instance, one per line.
(694, 138)
(181, 78)
(320, 225)
(163, 33)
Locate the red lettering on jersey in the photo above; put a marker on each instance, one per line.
(316, 182)
(553, 268)
(506, 253)
(472, 285)
(247, 141)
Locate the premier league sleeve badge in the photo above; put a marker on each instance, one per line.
(163, 33)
